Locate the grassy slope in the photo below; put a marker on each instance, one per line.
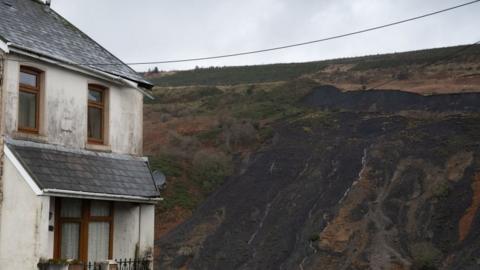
(200, 130)
(283, 72)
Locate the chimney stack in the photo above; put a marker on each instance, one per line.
(48, 2)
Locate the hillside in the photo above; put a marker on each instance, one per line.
(397, 63)
(263, 151)
(353, 189)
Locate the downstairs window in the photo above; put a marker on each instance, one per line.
(84, 230)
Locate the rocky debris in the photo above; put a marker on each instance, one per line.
(354, 184)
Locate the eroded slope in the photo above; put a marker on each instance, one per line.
(347, 187)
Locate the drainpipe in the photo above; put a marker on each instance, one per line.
(2, 115)
(2, 68)
(2, 62)
(137, 255)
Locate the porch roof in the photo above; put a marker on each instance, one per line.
(56, 169)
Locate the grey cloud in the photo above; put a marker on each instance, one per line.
(149, 30)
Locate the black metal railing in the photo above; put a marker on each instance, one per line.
(138, 264)
(124, 264)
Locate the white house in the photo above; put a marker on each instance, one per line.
(74, 183)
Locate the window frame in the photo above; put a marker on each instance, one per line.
(98, 105)
(84, 221)
(31, 90)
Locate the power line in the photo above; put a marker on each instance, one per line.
(447, 57)
(291, 45)
(281, 47)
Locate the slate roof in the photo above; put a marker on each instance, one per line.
(31, 25)
(85, 171)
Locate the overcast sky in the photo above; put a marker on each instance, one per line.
(154, 30)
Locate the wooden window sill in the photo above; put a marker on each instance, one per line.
(98, 147)
(30, 136)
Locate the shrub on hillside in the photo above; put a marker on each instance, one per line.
(168, 164)
(425, 256)
(236, 132)
(242, 134)
(209, 169)
(184, 144)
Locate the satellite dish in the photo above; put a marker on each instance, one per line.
(160, 179)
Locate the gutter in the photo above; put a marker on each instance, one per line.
(71, 66)
(134, 85)
(97, 196)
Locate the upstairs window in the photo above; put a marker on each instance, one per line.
(96, 114)
(29, 100)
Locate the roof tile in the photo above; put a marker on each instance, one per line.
(109, 175)
(33, 26)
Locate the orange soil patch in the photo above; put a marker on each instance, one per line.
(338, 233)
(166, 221)
(467, 219)
(190, 126)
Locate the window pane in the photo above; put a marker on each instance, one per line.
(95, 96)
(70, 240)
(27, 111)
(98, 241)
(99, 209)
(95, 123)
(28, 79)
(71, 208)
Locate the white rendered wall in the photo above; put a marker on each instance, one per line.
(147, 226)
(125, 230)
(133, 227)
(24, 234)
(64, 110)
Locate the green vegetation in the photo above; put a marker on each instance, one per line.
(425, 256)
(314, 237)
(169, 165)
(210, 135)
(179, 196)
(178, 192)
(205, 172)
(188, 96)
(287, 72)
(237, 120)
(414, 58)
(209, 169)
(239, 75)
(442, 190)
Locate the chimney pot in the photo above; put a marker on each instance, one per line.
(48, 2)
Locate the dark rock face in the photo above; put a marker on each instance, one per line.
(389, 101)
(348, 186)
